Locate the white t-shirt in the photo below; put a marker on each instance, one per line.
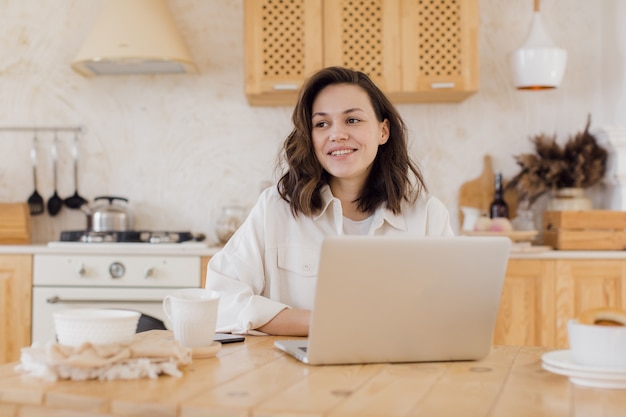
(271, 262)
(356, 227)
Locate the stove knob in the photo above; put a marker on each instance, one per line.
(117, 270)
(149, 272)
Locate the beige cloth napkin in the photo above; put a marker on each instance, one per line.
(150, 354)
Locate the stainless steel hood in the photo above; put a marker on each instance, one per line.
(134, 37)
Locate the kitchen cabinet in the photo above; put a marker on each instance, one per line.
(527, 312)
(540, 295)
(415, 50)
(584, 284)
(203, 268)
(15, 305)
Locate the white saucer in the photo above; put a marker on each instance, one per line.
(564, 359)
(561, 362)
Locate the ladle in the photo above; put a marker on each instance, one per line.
(55, 203)
(75, 201)
(35, 201)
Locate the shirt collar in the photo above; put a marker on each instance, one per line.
(397, 221)
(327, 199)
(382, 214)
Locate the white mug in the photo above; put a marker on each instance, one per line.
(192, 313)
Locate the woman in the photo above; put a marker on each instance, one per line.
(348, 171)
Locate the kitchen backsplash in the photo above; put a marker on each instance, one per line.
(180, 147)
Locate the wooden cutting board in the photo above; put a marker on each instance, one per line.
(478, 192)
(14, 224)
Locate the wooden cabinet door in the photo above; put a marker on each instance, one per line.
(526, 315)
(15, 305)
(364, 36)
(440, 60)
(584, 284)
(283, 46)
(203, 268)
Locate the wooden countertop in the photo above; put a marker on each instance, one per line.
(202, 250)
(569, 254)
(254, 378)
(72, 248)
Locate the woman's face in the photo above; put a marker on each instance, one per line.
(346, 133)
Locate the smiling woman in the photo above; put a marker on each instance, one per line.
(348, 171)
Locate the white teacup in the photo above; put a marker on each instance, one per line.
(593, 345)
(192, 313)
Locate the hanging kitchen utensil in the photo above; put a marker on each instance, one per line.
(75, 201)
(35, 201)
(55, 203)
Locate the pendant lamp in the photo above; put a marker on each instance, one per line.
(538, 64)
(134, 37)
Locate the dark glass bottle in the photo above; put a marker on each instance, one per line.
(498, 208)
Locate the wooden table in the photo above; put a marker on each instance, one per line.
(255, 379)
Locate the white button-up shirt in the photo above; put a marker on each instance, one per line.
(271, 262)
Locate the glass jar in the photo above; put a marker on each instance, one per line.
(229, 221)
(524, 220)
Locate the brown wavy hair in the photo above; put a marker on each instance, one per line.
(390, 179)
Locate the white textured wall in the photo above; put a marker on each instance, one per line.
(614, 63)
(179, 147)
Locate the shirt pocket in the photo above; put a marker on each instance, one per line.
(299, 260)
(298, 267)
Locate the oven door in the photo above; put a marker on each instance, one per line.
(48, 300)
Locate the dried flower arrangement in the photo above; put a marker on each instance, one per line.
(580, 163)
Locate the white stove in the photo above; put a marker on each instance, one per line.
(133, 276)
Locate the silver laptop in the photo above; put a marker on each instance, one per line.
(404, 299)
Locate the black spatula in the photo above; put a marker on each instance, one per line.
(35, 201)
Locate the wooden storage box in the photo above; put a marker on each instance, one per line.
(585, 230)
(14, 224)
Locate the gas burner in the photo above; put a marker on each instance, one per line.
(165, 237)
(156, 237)
(95, 237)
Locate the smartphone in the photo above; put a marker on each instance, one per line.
(228, 338)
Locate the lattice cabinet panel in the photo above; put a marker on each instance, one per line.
(439, 38)
(282, 40)
(360, 34)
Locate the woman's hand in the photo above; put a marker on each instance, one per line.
(289, 322)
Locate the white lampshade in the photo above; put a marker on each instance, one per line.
(538, 64)
(134, 37)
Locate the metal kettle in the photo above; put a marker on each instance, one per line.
(108, 214)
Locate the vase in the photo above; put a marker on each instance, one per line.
(569, 199)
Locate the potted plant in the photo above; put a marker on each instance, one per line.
(561, 170)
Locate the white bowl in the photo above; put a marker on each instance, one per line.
(97, 326)
(595, 345)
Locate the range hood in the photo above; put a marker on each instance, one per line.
(134, 37)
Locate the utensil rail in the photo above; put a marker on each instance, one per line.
(35, 129)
